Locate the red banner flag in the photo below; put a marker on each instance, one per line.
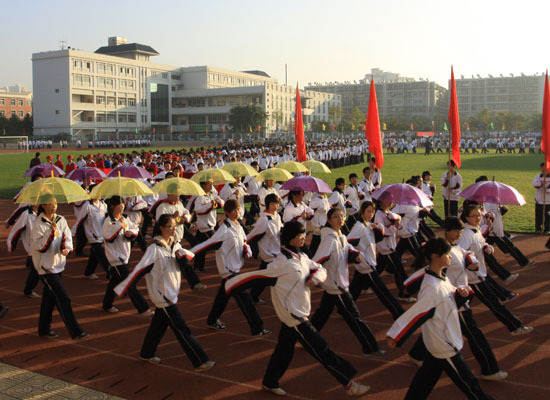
(299, 129)
(412, 127)
(372, 132)
(545, 142)
(454, 121)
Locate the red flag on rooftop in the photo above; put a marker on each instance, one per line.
(299, 129)
(372, 132)
(545, 142)
(454, 121)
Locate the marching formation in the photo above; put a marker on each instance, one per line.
(303, 234)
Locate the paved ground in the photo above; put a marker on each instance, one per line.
(108, 361)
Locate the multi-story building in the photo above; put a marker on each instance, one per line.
(515, 94)
(395, 99)
(16, 104)
(118, 89)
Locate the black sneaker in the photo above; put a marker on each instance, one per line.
(263, 332)
(3, 312)
(218, 325)
(512, 296)
(83, 335)
(50, 334)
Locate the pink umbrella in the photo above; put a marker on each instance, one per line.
(494, 193)
(80, 174)
(307, 184)
(130, 171)
(405, 194)
(45, 170)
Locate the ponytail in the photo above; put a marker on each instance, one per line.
(438, 246)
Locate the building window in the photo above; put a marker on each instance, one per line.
(13, 113)
(20, 103)
(131, 102)
(100, 100)
(122, 102)
(56, 90)
(164, 75)
(57, 112)
(20, 113)
(12, 102)
(132, 118)
(1, 102)
(2, 113)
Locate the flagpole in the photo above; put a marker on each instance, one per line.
(544, 201)
(449, 176)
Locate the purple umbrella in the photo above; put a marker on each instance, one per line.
(80, 174)
(45, 170)
(307, 184)
(403, 193)
(130, 171)
(494, 193)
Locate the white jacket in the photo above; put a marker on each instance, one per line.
(117, 245)
(262, 194)
(92, 216)
(409, 219)
(22, 229)
(293, 212)
(230, 191)
(367, 188)
(287, 275)
(320, 206)
(353, 194)
(334, 253)
(388, 220)
(437, 312)
(171, 208)
(538, 184)
(497, 226)
(47, 246)
(229, 241)
(134, 207)
(473, 241)
(455, 185)
(366, 234)
(163, 274)
(266, 232)
(206, 212)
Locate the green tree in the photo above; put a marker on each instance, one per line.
(357, 118)
(242, 118)
(278, 118)
(26, 125)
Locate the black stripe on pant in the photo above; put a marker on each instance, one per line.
(393, 264)
(372, 280)
(258, 288)
(407, 243)
(488, 297)
(97, 255)
(201, 257)
(117, 275)
(245, 303)
(170, 316)
(501, 292)
(32, 278)
(346, 306)
(496, 267)
(507, 246)
(55, 295)
(456, 368)
(315, 345)
(478, 343)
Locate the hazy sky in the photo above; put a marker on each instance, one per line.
(320, 40)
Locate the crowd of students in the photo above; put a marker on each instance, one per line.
(344, 229)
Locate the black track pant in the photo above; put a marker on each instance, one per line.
(201, 257)
(170, 316)
(392, 263)
(32, 278)
(97, 255)
(487, 296)
(257, 289)
(408, 243)
(314, 344)
(508, 247)
(495, 266)
(454, 207)
(117, 275)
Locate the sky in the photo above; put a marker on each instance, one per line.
(320, 40)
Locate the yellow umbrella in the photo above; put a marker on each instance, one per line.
(292, 166)
(123, 187)
(317, 166)
(62, 189)
(178, 186)
(240, 169)
(277, 174)
(218, 176)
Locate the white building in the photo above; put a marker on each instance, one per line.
(118, 89)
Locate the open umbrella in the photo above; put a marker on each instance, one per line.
(493, 192)
(277, 174)
(292, 166)
(307, 184)
(45, 170)
(316, 166)
(405, 194)
(240, 169)
(218, 176)
(123, 187)
(179, 186)
(80, 174)
(63, 190)
(130, 171)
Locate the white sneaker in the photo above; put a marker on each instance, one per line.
(199, 286)
(407, 299)
(205, 366)
(522, 330)
(416, 362)
(369, 291)
(497, 376)
(152, 360)
(112, 310)
(92, 276)
(356, 389)
(147, 314)
(510, 279)
(278, 391)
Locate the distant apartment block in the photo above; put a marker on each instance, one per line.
(15, 103)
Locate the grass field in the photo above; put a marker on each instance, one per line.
(517, 170)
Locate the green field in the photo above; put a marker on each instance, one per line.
(517, 170)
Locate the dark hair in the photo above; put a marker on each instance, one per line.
(44, 199)
(290, 230)
(366, 169)
(339, 181)
(372, 158)
(453, 224)
(162, 221)
(36, 176)
(230, 205)
(169, 173)
(271, 198)
(425, 173)
(331, 212)
(481, 178)
(112, 202)
(438, 246)
(451, 162)
(466, 210)
(352, 175)
(366, 204)
(293, 193)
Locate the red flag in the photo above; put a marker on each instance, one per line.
(454, 121)
(467, 126)
(412, 127)
(372, 131)
(545, 142)
(299, 129)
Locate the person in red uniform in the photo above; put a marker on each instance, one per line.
(49, 159)
(70, 164)
(59, 163)
(100, 163)
(90, 161)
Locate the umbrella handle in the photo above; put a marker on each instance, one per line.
(52, 174)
